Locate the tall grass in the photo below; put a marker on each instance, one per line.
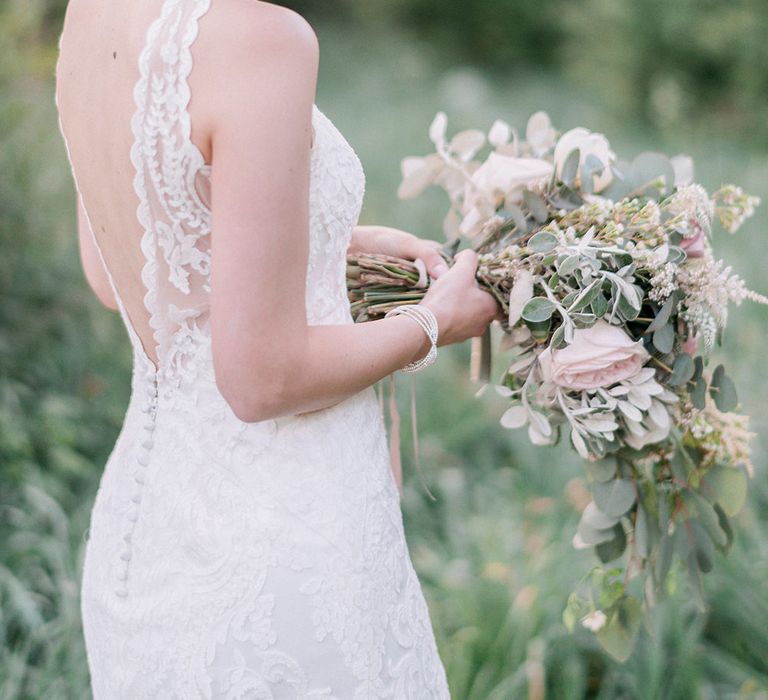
(493, 550)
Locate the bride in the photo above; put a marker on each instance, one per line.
(246, 540)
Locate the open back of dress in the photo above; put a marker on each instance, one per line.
(228, 559)
(145, 178)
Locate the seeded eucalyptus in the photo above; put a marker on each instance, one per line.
(613, 303)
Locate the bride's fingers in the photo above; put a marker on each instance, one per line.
(435, 263)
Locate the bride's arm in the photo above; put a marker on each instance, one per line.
(267, 359)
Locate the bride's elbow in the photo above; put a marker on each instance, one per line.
(256, 399)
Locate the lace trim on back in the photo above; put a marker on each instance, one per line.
(166, 159)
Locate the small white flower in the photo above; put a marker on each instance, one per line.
(594, 621)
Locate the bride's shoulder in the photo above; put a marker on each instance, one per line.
(260, 28)
(246, 53)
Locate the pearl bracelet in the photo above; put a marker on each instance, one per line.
(426, 319)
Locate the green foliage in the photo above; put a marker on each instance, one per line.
(63, 386)
(490, 551)
(669, 63)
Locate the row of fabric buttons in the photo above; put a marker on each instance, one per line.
(149, 409)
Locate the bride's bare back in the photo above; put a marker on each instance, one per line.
(97, 72)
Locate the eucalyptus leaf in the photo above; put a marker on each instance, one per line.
(664, 314)
(699, 393)
(571, 167)
(536, 205)
(676, 255)
(694, 580)
(698, 364)
(614, 548)
(592, 535)
(517, 215)
(586, 179)
(649, 166)
(679, 467)
(664, 558)
(723, 390)
(595, 518)
(727, 486)
(663, 513)
(642, 531)
(703, 547)
(602, 469)
(682, 370)
(614, 497)
(664, 338)
(726, 526)
(595, 164)
(707, 516)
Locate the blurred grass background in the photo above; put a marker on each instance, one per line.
(493, 551)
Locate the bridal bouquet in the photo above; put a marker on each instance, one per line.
(613, 303)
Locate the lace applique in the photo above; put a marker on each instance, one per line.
(334, 210)
(175, 220)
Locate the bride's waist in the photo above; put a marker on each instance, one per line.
(198, 415)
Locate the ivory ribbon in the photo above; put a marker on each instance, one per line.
(394, 436)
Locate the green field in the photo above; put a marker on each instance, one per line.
(493, 551)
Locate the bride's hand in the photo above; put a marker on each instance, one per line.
(385, 240)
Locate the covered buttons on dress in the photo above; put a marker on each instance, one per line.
(141, 462)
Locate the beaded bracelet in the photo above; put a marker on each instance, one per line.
(426, 319)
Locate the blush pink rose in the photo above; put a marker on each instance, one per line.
(691, 343)
(598, 357)
(694, 245)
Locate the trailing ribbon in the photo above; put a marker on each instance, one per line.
(394, 436)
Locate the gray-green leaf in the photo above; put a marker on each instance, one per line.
(538, 309)
(542, 242)
(682, 370)
(571, 166)
(536, 205)
(723, 390)
(614, 497)
(664, 338)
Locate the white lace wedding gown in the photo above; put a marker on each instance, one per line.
(229, 559)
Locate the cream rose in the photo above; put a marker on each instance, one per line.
(500, 178)
(598, 357)
(588, 143)
(508, 176)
